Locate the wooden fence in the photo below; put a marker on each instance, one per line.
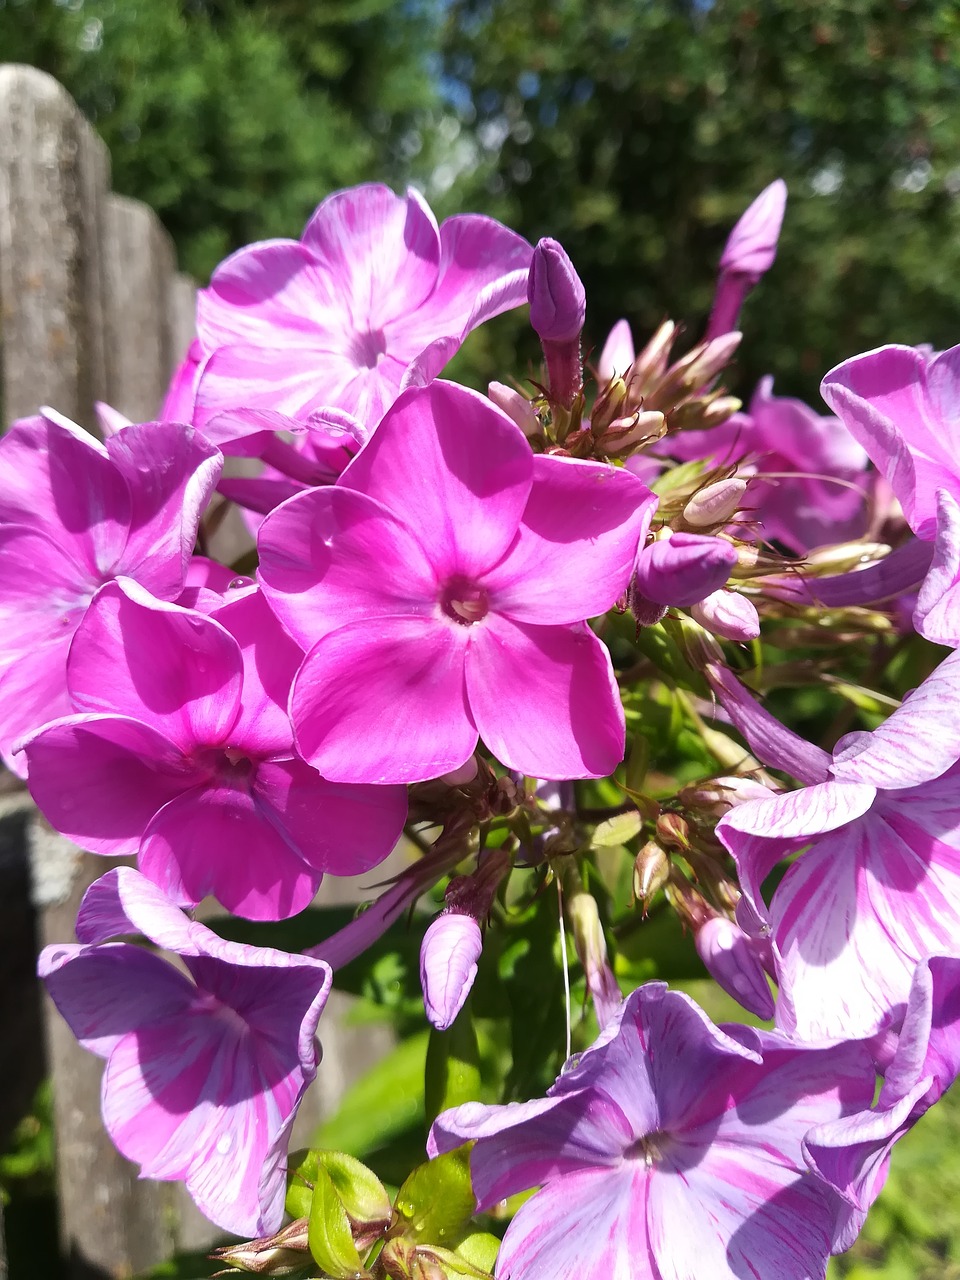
(91, 308)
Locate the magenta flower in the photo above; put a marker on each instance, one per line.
(900, 403)
(876, 885)
(204, 1073)
(75, 514)
(747, 256)
(442, 584)
(184, 752)
(853, 1154)
(339, 317)
(670, 1149)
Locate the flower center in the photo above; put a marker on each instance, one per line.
(464, 601)
(368, 349)
(648, 1150)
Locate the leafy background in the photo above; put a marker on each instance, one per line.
(635, 131)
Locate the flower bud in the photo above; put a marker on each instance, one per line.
(752, 244)
(732, 959)
(626, 433)
(286, 1253)
(652, 361)
(618, 353)
(109, 420)
(515, 406)
(449, 953)
(682, 568)
(715, 503)
(651, 871)
(749, 253)
(719, 795)
(591, 948)
(555, 293)
(673, 831)
(727, 614)
(460, 777)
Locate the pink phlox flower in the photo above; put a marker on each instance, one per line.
(441, 588)
(373, 292)
(876, 885)
(204, 1073)
(183, 753)
(853, 1154)
(74, 514)
(901, 404)
(670, 1149)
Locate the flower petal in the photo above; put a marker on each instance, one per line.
(545, 699)
(384, 700)
(464, 468)
(576, 545)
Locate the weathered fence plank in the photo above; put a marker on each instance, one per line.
(92, 308)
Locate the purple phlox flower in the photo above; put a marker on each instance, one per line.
(75, 513)
(682, 568)
(183, 753)
(876, 885)
(618, 353)
(441, 588)
(373, 292)
(747, 256)
(670, 1149)
(901, 405)
(204, 1072)
(853, 1154)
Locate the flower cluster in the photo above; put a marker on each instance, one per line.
(468, 612)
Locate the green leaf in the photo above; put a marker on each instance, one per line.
(617, 830)
(329, 1233)
(436, 1202)
(452, 1073)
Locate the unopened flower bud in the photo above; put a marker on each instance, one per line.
(845, 558)
(460, 777)
(715, 503)
(591, 948)
(690, 905)
(727, 614)
(652, 361)
(752, 244)
(733, 961)
(109, 420)
(683, 568)
(627, 433)
(449, 953)
(719, 795)
(555, 293)
(714, 357)
(651, 871)
(618, 353)
(515, 406)
(673, 831)
(286, 1253)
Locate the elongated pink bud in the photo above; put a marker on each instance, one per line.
(448, 965)
(733, 960)
(683, 568)
(557, 309)
(618, 352)
(748, 254)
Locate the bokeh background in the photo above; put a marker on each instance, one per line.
(634, 131)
